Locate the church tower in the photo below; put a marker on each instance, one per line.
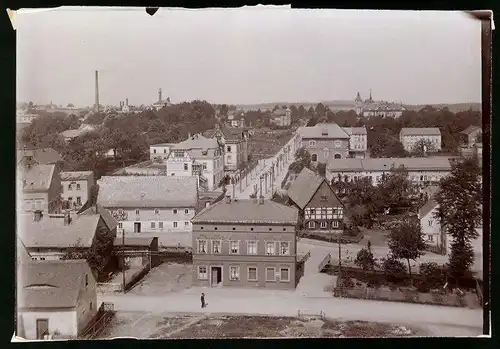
(358, 104)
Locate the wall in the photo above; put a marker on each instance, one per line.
(358, 142)
(83, 193)
(165, 215)
(62, 320)
(433, 229)
(410, 141)
(41, 200)
(88, 296)
(416, 176)
(55, 191)
(161, 151)
(319, 146)
(317, 203)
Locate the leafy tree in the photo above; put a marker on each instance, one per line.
(321, 169)
(432, 272)
(302, 159)
(310, 112)
(320, 110)
(302, 111)
(223, 110)
(312, 122)
(395, 187)
(459, 200)
(393, 269)
(365, 259)
(420, 145)
(406, 241)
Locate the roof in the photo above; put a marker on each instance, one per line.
(22, 253)
(51, 232)
(333, 131)
(105, 215)
(74, 133)
(304, 187)
(44, 156)
(470, 129)
(37, 177)
(354, 130)
(134, 241)
(429, 205)
(385, 164)
(197, 142)
(147, 191)
(52, 284)
(162, 145)
(247, 212)
(420, 131)
(76, 175)
(229, 134)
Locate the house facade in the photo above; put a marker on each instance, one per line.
(245, 243)
(76, 187)
(57, 298)
(324, 141)
(421, 171)
(358, 141)
(319, 207)
(150, 204)
(411, 136)
(235, 144)
(159, 152)
(370, 108)
(282, 117)
(39, 187)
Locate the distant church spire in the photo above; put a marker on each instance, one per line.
(370, 99)
(358, 98)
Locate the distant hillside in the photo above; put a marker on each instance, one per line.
(349, 105)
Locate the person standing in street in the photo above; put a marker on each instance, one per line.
(203, 300)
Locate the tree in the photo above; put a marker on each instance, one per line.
(423, 146)
(223, 110)
(302, 159)
(312, 122)
(320, 110)
(406, 241)
(302, 111)
(365, 259)
(395, 188)
(393, 269)
(321, 169)
(459, 200)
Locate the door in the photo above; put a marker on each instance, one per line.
(215, 276)
(137, 227)
(42, 328)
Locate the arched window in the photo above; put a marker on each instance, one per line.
(314, 157)
(337, 156)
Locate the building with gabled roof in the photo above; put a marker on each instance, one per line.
(76, 188)
(55, 298)
(412, 136)
(43, 156)
(249, 243)
(149, 204)
(282, 117)
(358, 141)
(235, 144)
(370, 107)
(39, 187)
(324, 140)
(319, 207)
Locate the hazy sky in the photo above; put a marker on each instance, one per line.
(247, 56)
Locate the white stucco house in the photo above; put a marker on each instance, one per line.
(76, 187)
(411, 136)
(56, 298)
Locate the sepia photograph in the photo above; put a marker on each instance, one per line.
(256, 172)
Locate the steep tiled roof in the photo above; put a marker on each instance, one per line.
(304, 186)
(105, 215)
(75, 175)
(354, 130)
(45, 156)
(385, 164)
(51, 232)
(428, 206)
(197, 142)
(420, 131)
(37, 177)
(470, 129)
(247, 211)
(147, 191)
(52, 284)
(317, 131)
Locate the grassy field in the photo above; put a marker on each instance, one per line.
(144, 325)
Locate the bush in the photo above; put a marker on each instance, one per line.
(394, 270)
(432, 271)
(346, 282)
(365, 260)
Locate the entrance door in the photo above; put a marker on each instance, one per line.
(42, 328)
(216, 275)
(137, 227)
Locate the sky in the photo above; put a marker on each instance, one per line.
(247, 56)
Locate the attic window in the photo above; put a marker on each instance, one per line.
(204, 152)
(324, 132)
(324, 198)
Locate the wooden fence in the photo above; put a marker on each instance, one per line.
(324, 263)
(104, 315)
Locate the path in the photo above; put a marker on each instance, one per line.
(287, 303)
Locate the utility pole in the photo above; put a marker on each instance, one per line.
(340, 260)
(123, 259)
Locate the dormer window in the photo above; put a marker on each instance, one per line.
(324, 132)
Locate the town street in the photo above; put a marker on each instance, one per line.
(289, 303)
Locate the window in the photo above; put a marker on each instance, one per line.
(311, 225)
(78, 187)
(160, 225)
(202, 246)
(430, 238)
(229, 148)
(185, 167)
(70, 186)
(157, 211)
(153, 225)
(335, 224)
(323, 224)
(186, 211)
(324, 198)
(234, 247)
(86, 280)
(285, 274)
(216, 246)
(314, 157)
(284, 248)
(270, 274)
(430, 222)
(252, 247)
(137, 211)
(175, 224)
(164, 151)
(202, 272)
(421, 178)
(69, 199)
(313, 211)
(312, 143)
(204, 165)
(120, 225)
(154, 151)
(252, 273)
(186, 224)
(78, 200)
(175, 211)
(270, 248)
(337, 144)
(234, 273)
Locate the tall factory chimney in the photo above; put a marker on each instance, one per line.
(97, 91)
(159, 95)
(126, 101)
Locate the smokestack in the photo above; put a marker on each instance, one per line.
(97, 91)
(38, 215)
(126, 101)
(159, 95)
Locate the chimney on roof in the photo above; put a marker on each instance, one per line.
(126, 101)
(38, 215)
(67, 218)
(159, 95)
(261, 200)
(228, 199)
